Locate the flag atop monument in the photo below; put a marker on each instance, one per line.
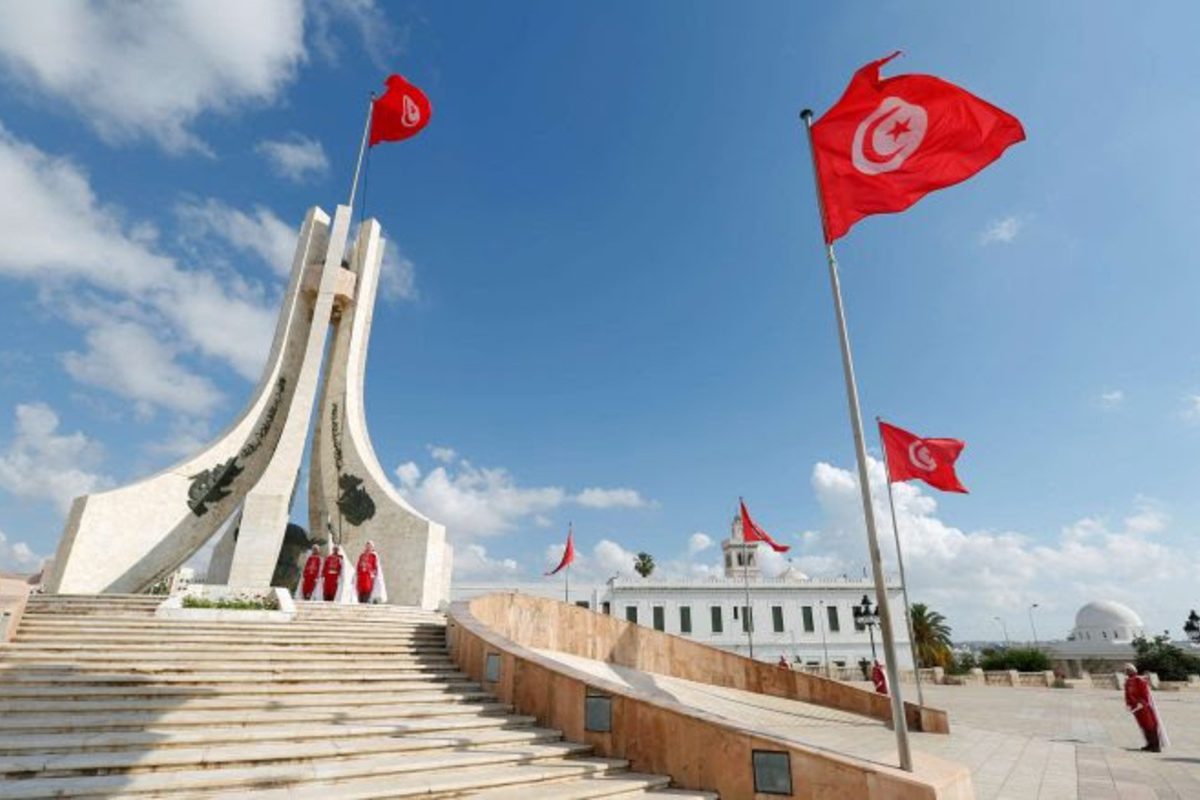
(890, 141)
(931, 460)
(401, 112)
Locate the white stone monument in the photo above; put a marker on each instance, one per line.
(241, 486)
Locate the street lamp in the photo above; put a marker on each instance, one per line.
(824, 645)
(1004, 628)
(1032, 626)
(1192, 627)
(867, 616)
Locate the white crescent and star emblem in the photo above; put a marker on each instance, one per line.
(412, 113)
(920, 457)
(888, 136)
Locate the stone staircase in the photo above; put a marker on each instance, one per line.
(99, 698)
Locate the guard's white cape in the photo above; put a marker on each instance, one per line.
(379, 590)
(345, 590)
(1164, 741)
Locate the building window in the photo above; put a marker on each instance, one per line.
(747, 619)
(631, 613)
(583, 604)
(777, 618)
(741, 560)
(833, 619)
(685, 619)
(806, 612)
(728, 560)
(660, 618)
(718, 623)
(606, 607)
(735, 613)
(772, 772)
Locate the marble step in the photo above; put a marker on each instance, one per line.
(166, 738)
(274, 629)
(612, 785)
(417, 774)
(146, 665)
(59, 675)
(132, 720)
(55, 691)
(184, 633)
(166, 653)
(254, 753)
(199, 702)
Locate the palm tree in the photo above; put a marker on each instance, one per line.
(644, 564)
(931, 635)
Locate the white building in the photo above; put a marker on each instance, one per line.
(1102, 639)
(809, 621)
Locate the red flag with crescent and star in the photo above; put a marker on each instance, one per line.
(402, 111)
(930, 460)
(568, 554)
(888, 142)
(752, 533)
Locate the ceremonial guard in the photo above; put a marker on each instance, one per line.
(370, 584)
(333, 576)
(1140, 702)
(306, 589)
(879, 678)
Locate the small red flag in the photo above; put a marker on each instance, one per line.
(402, 111)
(890, 141)
(930, 460)
(752, 533)
(568, 554)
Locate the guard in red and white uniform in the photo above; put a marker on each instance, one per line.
(369, 580)
(879, 678)
(333, 576)
(306, 589)
(1140, 701)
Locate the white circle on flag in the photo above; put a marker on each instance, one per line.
(920, 457)
(888, 136)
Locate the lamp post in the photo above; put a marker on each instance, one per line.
(1192, 627)
(1033, 627)
(1004, 628)
(866, 616)
(824, 645)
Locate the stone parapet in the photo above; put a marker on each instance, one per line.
(494, 639)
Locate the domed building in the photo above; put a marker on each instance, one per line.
(1106, 620)
(1101, 641)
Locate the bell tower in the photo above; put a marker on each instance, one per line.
(741, 559)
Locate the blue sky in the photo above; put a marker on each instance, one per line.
(606, 291)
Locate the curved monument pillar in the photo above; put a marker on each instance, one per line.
(349, 492)
(126, 539)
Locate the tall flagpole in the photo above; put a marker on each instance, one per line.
(362, 149)
(881, 599)
(912, 641)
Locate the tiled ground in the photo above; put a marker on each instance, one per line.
(1020, 744)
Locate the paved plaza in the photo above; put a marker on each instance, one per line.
(1020, 744)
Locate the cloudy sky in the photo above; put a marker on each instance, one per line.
(604, 299)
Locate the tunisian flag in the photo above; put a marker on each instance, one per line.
(568, 554)
(402, 111)
(930, 460)
(752, 533)
(890, 141)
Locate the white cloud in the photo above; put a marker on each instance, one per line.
(295, 157)
(612, 558)
(150, 69)
(610, 498)
(1001, 231)
(41, 463)
(18, 556)
(259, 232)
(381, 40)
(973, 576)
(473, 561)
(132, 361)
(397, 275)
(476, 502)
(698, 543)
(445, 455)
(99, 270)
(1112, 399)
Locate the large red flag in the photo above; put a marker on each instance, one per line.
(752, 533)
(890, 141)
(401, 112)
(930, 460)
(568, 554)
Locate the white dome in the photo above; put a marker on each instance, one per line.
(1107, 619)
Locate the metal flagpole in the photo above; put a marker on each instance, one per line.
(362, 149)
(885, 616)
(912, 640)
(747, 617)
(567, 589)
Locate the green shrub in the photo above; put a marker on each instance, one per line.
(1169, 662)
(1022, 659)
(963, 663)
(265, 603)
